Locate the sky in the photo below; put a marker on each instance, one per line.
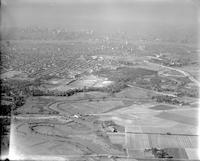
(97, 14)
(95, 1)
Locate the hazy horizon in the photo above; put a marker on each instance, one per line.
(101, 16)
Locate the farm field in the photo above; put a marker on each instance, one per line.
(174, 145)
(161, 141)
(179, 118)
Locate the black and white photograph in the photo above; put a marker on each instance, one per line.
(100, 80)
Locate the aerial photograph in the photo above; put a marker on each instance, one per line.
(100, 80)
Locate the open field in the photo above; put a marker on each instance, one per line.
(162, 107)
(90, 107)
(61, 138)
(179, 118)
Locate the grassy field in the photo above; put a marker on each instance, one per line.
(134, 93)
(88, 107)
(51, 137)
(35, 105)
(178, 118)
(162, 107)
(117, 139)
